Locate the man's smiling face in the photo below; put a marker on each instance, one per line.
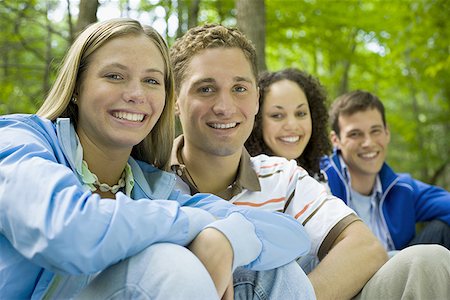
(218, 101)
(363, 142)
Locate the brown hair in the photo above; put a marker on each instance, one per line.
(206, 37)
(353, 102)
(319, 144)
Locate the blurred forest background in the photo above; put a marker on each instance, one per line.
(397, 49)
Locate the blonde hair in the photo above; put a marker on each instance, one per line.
(156, 146)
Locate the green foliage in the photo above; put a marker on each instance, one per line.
(25, 57)
(398, 50)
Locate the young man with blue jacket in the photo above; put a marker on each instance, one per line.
(389, 203)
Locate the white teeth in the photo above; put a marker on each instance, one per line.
(128, 116)
(369, 155)
(223, 126)
(290, 139)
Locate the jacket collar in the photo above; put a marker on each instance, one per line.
(149, 181)
(386, 174)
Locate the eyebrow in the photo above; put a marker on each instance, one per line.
(241, 78)
(203, 80)
(123, 67)
(281, 107)
(377, 126)
(212, 80)
(360, 130)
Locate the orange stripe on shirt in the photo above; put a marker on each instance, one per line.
(270, 166)
(307, 205)
(303, 210)
(299, 178)
(260, 204)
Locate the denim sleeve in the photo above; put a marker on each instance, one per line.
(51, 219)
(260, 240)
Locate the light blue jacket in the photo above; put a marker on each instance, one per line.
(50, 222)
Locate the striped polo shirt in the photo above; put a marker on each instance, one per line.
(277, 184)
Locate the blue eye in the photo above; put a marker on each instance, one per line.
(152, 81)
(206, 89)
(114, 76)
(240, 89)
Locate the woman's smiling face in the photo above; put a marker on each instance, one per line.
(121, 94)
(286, 119)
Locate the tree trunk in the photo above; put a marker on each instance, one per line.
(194, 8)
(423, 166)
(87, 14)
(180, 15)
(69, 22)
(344, 84)
(48, 54)
(251, 20)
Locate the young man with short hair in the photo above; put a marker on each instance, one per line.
(217, 99)
(390, 204)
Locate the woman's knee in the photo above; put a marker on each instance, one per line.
(161, 271)
(174, 269)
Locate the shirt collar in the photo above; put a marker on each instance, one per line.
(377, 189)
(245, 179)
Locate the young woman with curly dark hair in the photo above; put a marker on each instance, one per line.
(292, 119)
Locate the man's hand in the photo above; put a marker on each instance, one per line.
(215, 252)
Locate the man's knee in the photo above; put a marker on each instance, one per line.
(410, 274)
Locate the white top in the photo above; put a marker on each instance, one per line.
(286, 187)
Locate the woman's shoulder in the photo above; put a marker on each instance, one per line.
(22, 125)
(24, 121)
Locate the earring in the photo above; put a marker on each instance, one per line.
(74, 100)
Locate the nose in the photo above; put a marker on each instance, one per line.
(290, 123)
(134, 92)
(367, 141)
(224, 105)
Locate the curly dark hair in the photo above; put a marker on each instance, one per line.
(319, 144)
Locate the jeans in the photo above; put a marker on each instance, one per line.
(161, 271)
(434, 232)
(168, 271)
(286, 282)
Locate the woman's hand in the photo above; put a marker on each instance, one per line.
(215, 252)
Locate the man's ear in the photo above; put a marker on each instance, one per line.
(257, 101)
(334, 139)
(388, 133)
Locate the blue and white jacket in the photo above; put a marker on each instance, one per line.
(51, 223)
(404, 201)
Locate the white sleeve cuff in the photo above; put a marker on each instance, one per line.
(242, 236)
